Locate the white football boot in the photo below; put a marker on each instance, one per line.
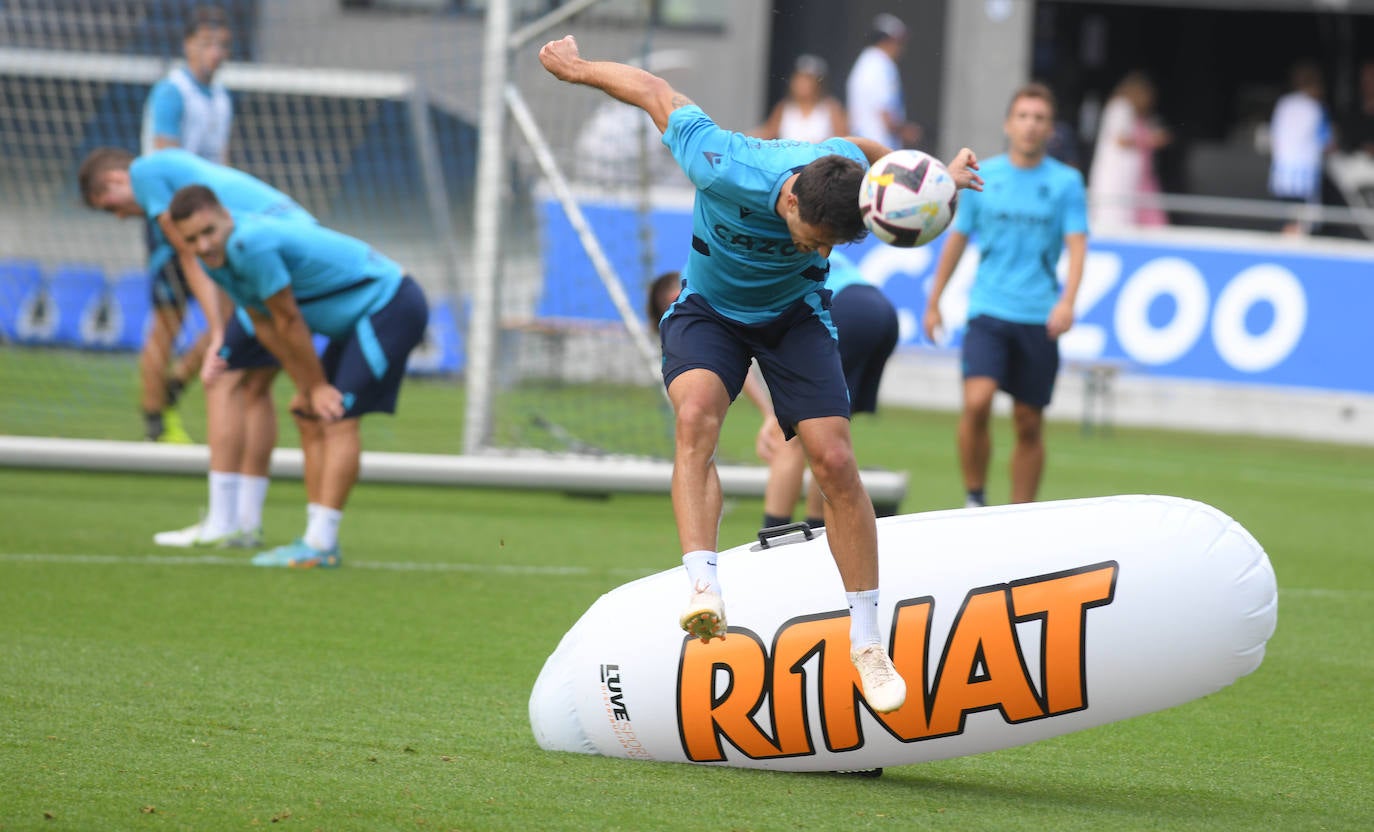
(883, 686)
(704, 617)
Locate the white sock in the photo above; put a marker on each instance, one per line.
(323, 530)
(224, 496)
(701, 569)
(863, 618)
(252, 494)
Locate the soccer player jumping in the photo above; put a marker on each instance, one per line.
(767, 214)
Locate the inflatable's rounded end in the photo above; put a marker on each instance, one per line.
(553, 709)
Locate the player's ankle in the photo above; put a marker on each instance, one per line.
(772, 521)
(152, 425)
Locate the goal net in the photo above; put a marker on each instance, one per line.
(369, 115)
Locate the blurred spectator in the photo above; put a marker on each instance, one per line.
(1300, 134)
(1123, 169)
(1357, 133)
(873, 93)
(619, 145)
(807, 113)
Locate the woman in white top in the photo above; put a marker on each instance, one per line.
(1123, 159)
(807, 113)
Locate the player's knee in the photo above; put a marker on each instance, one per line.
(1028, 424)
(834, 467)
(978, 414)
(1029, 432)
(698, 422)
(258, 386)
(309, 426)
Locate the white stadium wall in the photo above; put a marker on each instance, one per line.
(1010, 624)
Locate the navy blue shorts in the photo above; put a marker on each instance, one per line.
(368, 365)
(866, 323)
(797, 352)
(242, 350)
(169, 286)
(1022, 357)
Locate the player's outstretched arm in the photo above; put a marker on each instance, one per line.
(623, 82)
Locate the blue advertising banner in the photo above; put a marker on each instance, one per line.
(1180, 307)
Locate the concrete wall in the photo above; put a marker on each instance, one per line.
(726, 75)
(986, 57)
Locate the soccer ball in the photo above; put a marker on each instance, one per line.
(908, 198)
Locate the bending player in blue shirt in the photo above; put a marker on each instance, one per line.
(765, 218)
(242, 427)
(1031, 209)
(294, 279)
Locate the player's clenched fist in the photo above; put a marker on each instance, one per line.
(561, 58)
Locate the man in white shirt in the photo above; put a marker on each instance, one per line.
(877, 109)
(1300, 133)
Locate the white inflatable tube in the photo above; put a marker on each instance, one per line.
(1009, 624)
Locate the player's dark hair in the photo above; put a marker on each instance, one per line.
(205, 17)
(96, 163)
(191, 199)
(828, 195)
(1034, 89)
(654, 309)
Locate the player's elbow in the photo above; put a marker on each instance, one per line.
(660, 99)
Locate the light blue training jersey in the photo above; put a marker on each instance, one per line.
(156, 177)
(743, 261)
(1018, 222)
(337, 280)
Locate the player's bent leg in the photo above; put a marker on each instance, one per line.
(312, 454)
(1028, 455)
(258, 418)
(319, 546)
(342, 457)
(699, 404)
(975, 436)
(786, 472)
(853, 535)
(700, 401)
(259, 421)
(152, 365)
(224, 422)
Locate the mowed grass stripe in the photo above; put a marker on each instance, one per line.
(517, 569)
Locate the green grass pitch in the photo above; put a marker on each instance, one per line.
(145, 689)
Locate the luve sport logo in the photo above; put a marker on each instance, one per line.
(982, 667)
